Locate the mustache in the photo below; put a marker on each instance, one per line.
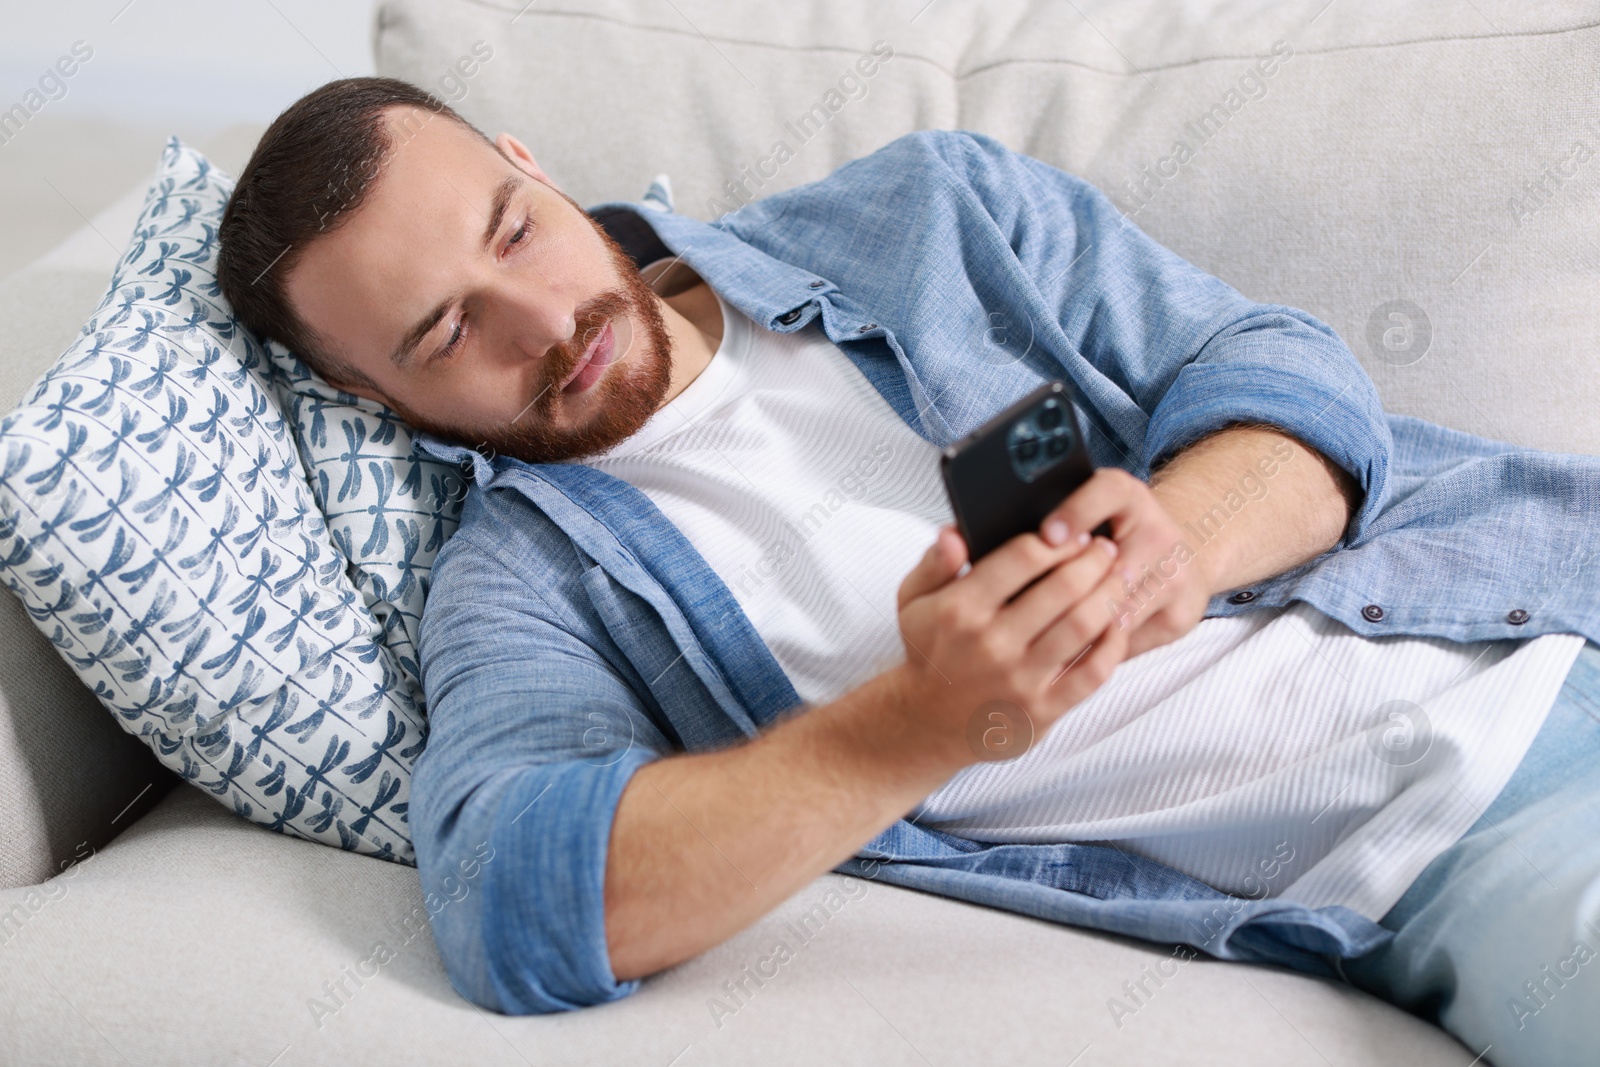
(590, 319)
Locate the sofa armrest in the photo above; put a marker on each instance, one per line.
(70, 777)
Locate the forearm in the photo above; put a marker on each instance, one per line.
(1254, 502)
(703, 845)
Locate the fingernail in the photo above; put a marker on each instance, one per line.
(1055, 532)
(1083, 539)
(1110, 546)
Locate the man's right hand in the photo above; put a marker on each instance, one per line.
(1019, 629)
(705, 843)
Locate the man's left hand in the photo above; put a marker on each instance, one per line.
(1241, 505)
(1159, 587)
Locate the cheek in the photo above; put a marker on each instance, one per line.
(570, 251)
(463, 404)
(578, 263)
(493, 398)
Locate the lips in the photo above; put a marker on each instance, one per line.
(592, 365)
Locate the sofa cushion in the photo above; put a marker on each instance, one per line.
(286, 949)
(157, 523)
(1421, 178)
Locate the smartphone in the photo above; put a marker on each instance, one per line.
(1005, 477)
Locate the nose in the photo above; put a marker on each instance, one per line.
(534, 316)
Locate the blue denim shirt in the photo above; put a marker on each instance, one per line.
(572, 634)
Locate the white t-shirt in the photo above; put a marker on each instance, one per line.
(802, 489)
(1261, 753)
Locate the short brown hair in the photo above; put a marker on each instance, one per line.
(313, 167)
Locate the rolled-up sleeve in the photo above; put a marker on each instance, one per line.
(1227, 383)
(1190, 351)
(533, 738)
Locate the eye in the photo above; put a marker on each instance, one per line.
(457, 332)
(518, 234)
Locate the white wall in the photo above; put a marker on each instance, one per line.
(211, 71)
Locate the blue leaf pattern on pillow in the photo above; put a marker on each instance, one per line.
(230, 553)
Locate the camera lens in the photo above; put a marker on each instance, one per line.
(1056, 446)
(1049, 415)
(1027, 448)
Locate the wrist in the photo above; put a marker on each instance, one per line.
(1215, 574)
(1212, 570)
(895, 732)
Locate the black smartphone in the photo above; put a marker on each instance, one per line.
(1005, 477)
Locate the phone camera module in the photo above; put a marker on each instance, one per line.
(1039, 440)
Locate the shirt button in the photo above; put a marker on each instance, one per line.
(789, 318)
(1372, 613)
(816, 285)
(1242, 597)
(1516, 616)
(866, 327)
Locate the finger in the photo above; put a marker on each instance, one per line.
(1006, 571)
(1089, 671)
(1148, 577)
(1124, 603)
(1108, 494)
(1157, 629)
(936, 568)
(1057, 592)
(1064, 640)
(1164, 627)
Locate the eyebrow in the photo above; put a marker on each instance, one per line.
(497, 212)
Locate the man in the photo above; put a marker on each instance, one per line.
(689, 647)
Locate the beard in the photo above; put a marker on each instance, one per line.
(630, 391)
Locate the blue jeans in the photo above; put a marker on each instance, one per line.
(1498, 940)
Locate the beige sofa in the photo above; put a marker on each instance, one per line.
(1419, 178)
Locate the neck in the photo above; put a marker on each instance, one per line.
(694, 322)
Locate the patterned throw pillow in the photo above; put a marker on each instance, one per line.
(240, 589)
(388, 510)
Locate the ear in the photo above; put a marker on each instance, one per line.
(362, 391)
(522, 159)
